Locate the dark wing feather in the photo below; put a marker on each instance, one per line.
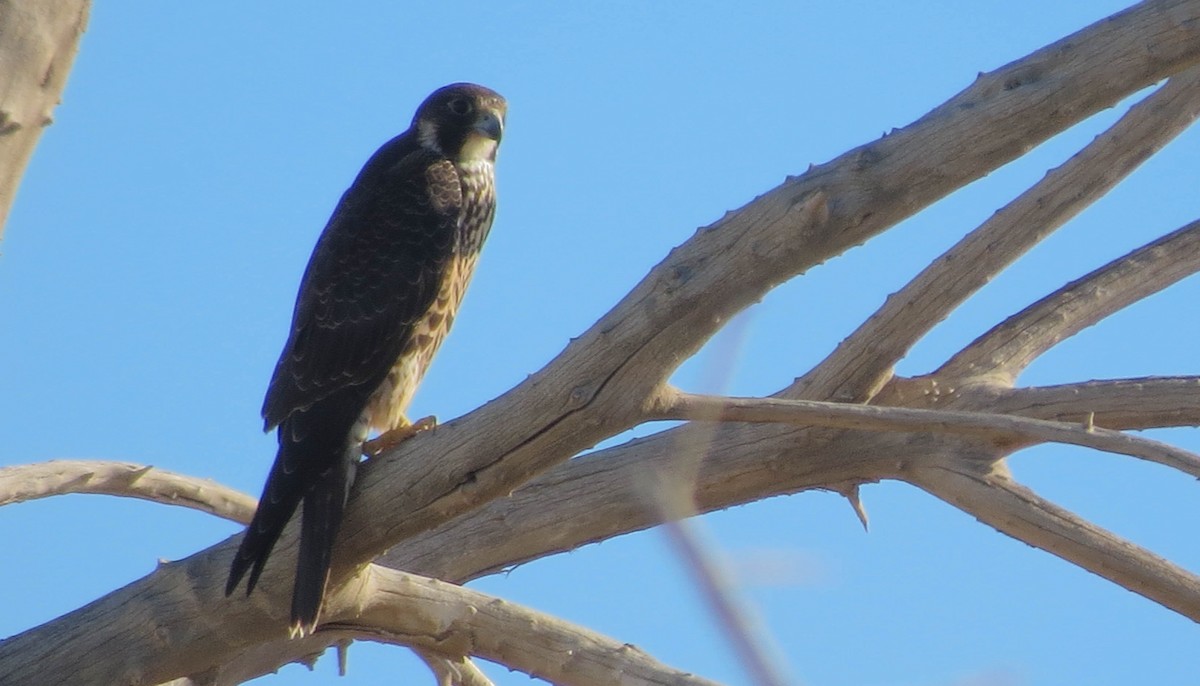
(374, 272)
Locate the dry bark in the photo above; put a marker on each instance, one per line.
(38, 42)
(57, 477)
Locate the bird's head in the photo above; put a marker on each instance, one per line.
(462, 121)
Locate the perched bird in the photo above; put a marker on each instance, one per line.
(378, 297)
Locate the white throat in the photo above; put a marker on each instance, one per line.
(477, 148)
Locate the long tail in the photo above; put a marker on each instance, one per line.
(322, 518)
(315, 464)
(280, 496)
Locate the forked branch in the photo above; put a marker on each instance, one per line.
(863, 361)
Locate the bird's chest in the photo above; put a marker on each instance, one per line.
(475, 220)
(479, 207)
(391, 400)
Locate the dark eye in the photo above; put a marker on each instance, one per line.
(459, 106)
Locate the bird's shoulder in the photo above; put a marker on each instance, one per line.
(405, 174)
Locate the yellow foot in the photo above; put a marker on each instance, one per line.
(390, 439)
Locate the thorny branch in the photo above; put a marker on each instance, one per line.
(1001, 430)
(1012, 345)
(446, 623)
(862, 363)
(1113, 403)
(58, 477)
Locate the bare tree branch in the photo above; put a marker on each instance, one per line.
(1144, 403)
(445, 622)
(863, 361)
(685, 298)
(1019, 512)
(1001, 430)
(1012, 345)
(38, 42)
(600, 495)
(269, 657)
(449, 619)
(453, 671)
(60, 477)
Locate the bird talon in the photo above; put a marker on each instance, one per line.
(390, 439)
(424, 424)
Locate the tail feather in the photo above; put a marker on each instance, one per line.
(274, 510)
(251, 556)
(320, 522)
(302, 459)
(318, 454)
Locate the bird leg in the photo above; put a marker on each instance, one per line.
(390, 439)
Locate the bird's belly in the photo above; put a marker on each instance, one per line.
(386, 408)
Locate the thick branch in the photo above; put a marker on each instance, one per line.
(453, 620)
(38, 42)
(59, 477)
(1012, 345)
(446, 622)
(598, 495)
(1019, 512)
(863, 361)
(176, 621)
(601, 495)
(654, 305)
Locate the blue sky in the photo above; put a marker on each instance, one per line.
(150, 263)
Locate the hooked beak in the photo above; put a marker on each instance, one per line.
(490, 125)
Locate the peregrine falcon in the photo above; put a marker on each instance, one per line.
(378, 297)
